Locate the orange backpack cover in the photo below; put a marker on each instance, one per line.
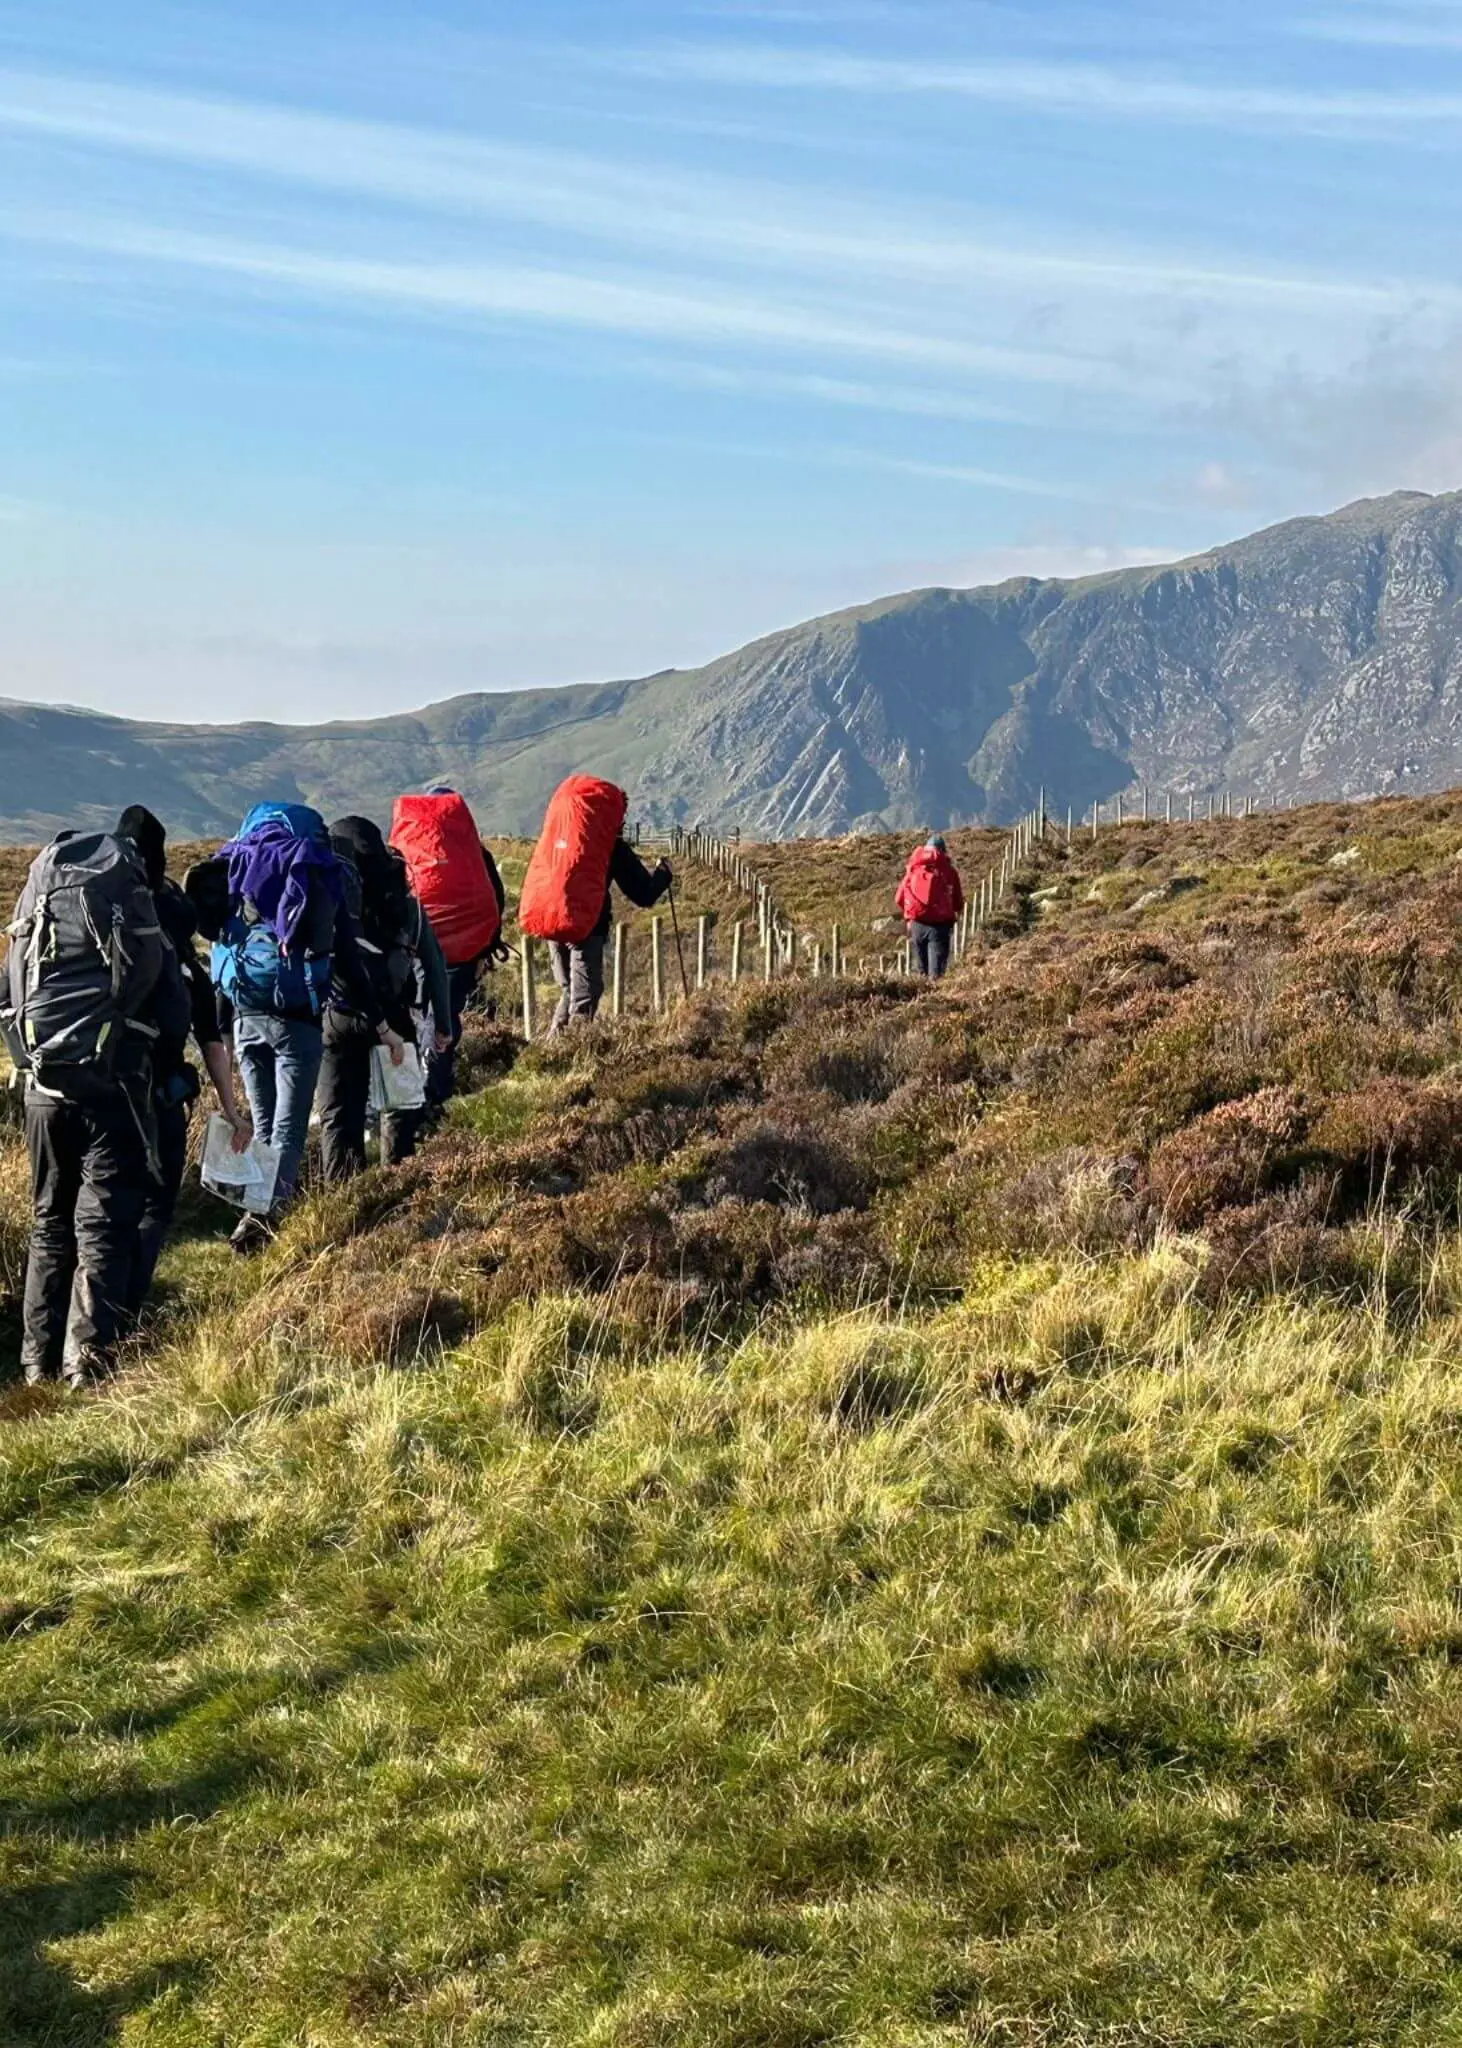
(437, 838)
(568, 876)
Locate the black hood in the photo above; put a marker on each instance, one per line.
(150, 838)
(359, 841)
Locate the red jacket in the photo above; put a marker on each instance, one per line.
(930, 891)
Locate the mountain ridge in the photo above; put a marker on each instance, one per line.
(1319, 657)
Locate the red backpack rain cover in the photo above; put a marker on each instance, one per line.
(930, 892)
(568, 876)
(437, 839)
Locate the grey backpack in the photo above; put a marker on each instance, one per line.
(86, 953)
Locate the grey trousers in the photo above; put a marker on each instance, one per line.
(579, 972)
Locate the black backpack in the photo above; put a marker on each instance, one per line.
(388, 921)
(86, 956)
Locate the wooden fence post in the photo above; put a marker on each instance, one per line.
(736, 931)
(768, 965)
(617, 997)
(817, 960)
(701, 927)
(837, 960)
(657, 968)
(530, 1005)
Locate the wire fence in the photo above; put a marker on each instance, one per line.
(648, 968)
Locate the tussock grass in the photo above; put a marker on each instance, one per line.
(1078, 1665)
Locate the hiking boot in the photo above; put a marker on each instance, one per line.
(87, 1370)
(37, 1376)
(251, 1235)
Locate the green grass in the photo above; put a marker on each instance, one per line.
(1078, 1666)
(855, 1516)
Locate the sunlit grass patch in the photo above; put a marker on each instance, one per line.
(1081, 1654)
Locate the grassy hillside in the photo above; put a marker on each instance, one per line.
(848, 1515)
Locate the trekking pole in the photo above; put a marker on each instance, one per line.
(675, 928)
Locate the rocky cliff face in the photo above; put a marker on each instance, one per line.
(1321, 658)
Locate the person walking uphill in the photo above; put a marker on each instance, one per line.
(400, 949)
(931, 900)
(456, 881)
(581, 854)
(174, 1082)
(284, 934)
(90, 987)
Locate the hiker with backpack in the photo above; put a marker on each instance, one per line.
(276, 896)
(91, 987)
(931, 900)
(581, 855)
(174, 1082)
(455, 879)
(401, 955)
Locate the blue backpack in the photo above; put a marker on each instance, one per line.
(250, 967)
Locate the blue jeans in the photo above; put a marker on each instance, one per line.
(441, 1067)
(279, 1058)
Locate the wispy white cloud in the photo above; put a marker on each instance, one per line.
(812, 387)
(1391, 421)
(973, 477)
(1073, 89)
(676, 311)
(1433, 30)
(745, 221)
(1003, 482)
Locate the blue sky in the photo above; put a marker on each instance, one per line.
(355, 355)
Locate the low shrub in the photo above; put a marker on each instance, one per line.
(1394, 1139)
(1229, 1157)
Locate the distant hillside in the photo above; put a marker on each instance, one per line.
(1322, 658)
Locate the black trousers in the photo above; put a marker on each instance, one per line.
(343, 1099)
(90, 1180)
(931, 947)
(160, 1203)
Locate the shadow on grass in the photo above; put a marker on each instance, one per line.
(40, 2000)
(89, 1833)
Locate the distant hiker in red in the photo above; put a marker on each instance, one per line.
(455, 880)
(931, 900)
(565, 901)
